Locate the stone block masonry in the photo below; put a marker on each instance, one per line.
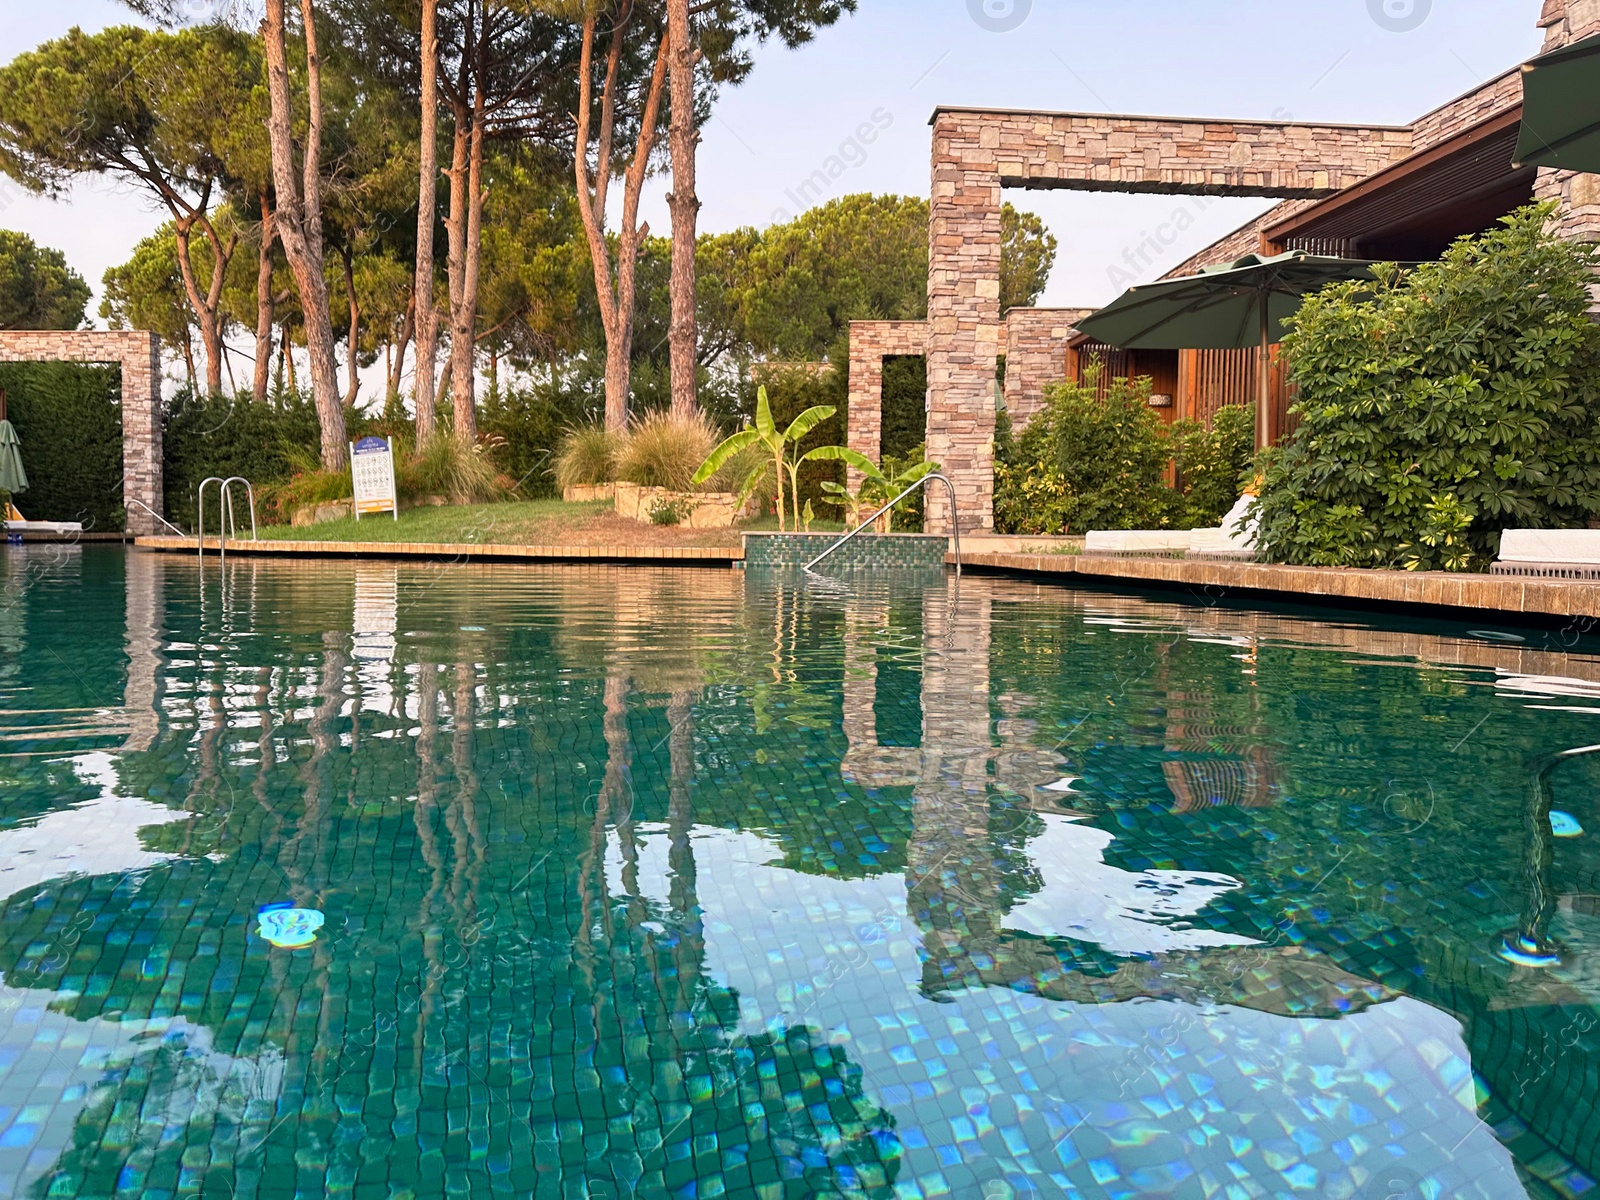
(978, 152)
(870, 343)
(1036, 354)
(138, 353)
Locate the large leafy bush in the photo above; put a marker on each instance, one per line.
(1442, 405)
(1090, 463)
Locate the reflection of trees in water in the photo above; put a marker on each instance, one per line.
(479, 974)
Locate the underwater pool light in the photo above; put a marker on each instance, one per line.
(287, 927)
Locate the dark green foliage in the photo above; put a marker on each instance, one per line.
(1442, 406)
(905, 405)
(1086, 463)
(218, 435)
(69, 419)
(1212, 463)
(531, 422)
(790, 393)
(37, 288)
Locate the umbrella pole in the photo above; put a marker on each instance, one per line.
(1264, 379)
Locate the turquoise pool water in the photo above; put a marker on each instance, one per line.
(438, 880)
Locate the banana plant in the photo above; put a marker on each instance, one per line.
(877, 489)
(783, 455)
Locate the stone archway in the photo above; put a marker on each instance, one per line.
(138, 353)
(979, 152)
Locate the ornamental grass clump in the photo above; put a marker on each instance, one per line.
(663, 450)
(1442, 405)
(587, 456)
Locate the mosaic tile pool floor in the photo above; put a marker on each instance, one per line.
(325, 879)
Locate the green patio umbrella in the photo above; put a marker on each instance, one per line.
(1239, 306)
(1561, 109)
(12, 477)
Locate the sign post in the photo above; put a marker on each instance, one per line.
(372, 477)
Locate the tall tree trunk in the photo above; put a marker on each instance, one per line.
(616, 296)
(408, 328)
(353, 341)
(455, 225)
(685, 206)
(264, 302)
(427, 200)
(464, 320)
(188, 357)
(206, 304)
(300, 217)
(288, 357)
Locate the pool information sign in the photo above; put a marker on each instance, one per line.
(372, 477)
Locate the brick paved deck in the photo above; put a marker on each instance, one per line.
(1435, 592)
(1427, 593)
(464, 552)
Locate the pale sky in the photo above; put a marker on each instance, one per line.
(1322, 60)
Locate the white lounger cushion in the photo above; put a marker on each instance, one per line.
(1236, 534)
(1550, 546)
(43, 527)
(1135, 541)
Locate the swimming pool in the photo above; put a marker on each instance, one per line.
(427, 880)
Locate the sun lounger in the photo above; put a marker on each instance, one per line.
(1550, 553)
(1234, 538)
(50, 527)
(1169, 543)
(16, 523)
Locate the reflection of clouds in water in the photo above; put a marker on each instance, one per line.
(98, 837)
(1088, 899)
(1136, 1098)
(54, 1067)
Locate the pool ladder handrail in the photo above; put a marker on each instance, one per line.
(140, 503)
(955, 525)
(227, 521)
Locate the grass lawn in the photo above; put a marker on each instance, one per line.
(523, 523)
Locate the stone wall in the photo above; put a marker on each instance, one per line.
(977, 152)
(138, 353)
(1036, 354)
(870, 343)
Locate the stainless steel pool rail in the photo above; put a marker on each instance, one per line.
(141, 504)
(227, 522)
(955, 526)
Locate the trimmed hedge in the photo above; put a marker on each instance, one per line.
(222, 435)
(69, 419)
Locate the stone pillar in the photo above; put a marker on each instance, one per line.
(141, 432)
(963, 316)
(864, 432)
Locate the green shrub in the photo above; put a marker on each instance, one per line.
(1085, 463)
(461, 471)
(671, 512)
(586, 456)
(69, 420)
(664, 450)
(1442, 405)
(1214, 463)
(530, 422)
